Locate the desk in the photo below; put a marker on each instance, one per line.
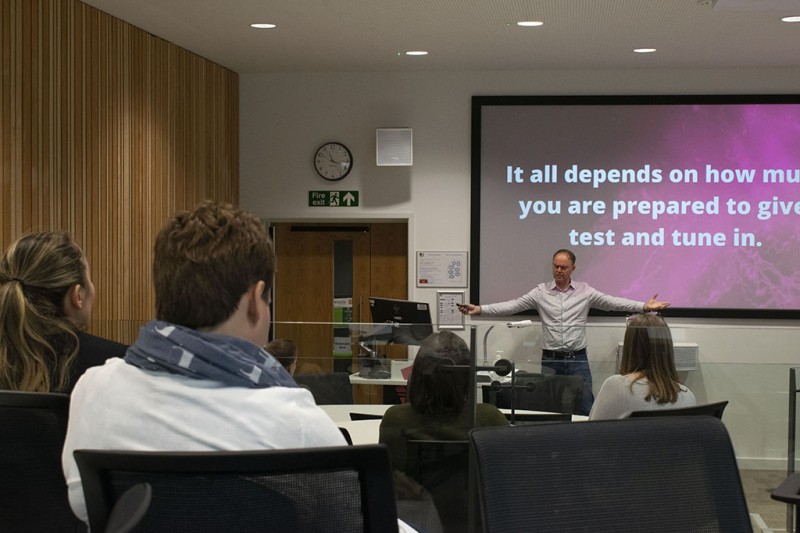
(367, 431)
(341, 412)
(362, 431)
(388, 392)
(396, 377)
(355, 379)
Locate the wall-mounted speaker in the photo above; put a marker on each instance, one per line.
(393, 147)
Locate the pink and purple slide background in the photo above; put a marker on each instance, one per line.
(515, 254)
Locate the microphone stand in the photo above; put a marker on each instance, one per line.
(485, 349)
(504, 367)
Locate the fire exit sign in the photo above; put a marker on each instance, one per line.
(332, 198)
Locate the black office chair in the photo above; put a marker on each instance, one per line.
(660, 476)
(442, 467)
(33, 493)
(341, 488)
(539, 392)
(331, 388)
(710, 409)
(789, 492)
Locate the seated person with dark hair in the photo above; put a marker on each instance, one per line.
(197, 378)
(436, 410)
(285, 351)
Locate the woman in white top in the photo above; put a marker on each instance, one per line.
(647, 377)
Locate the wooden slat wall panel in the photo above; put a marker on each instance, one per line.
(105, 131)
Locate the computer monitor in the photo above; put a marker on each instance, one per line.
(410, 321)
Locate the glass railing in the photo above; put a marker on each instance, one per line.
(746, 365)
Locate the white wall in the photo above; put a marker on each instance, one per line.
(285, 117)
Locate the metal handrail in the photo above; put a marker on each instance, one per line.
(790, 453)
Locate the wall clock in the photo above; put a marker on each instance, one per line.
(333, 161)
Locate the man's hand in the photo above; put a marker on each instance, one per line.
(654, 305)
(469, 309)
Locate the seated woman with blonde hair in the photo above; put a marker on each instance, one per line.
(46, 298)
(647, 376)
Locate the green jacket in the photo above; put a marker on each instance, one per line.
(402, 423)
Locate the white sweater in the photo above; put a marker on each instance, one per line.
(620, 395)
(119, 406)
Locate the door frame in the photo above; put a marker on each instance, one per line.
(408, 218)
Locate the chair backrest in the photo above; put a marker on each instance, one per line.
(33, 493)
(340, 488)
(442, 467)
(330, 388)
(709, 409)
(654, 475)
(538, 392)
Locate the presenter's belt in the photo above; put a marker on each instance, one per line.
(559, 354)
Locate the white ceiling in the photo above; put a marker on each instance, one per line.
(371, 35)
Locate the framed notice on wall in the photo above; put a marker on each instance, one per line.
(447, 313)
(441, 269)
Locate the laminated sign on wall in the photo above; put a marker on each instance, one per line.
(441, 269)
(342, 318)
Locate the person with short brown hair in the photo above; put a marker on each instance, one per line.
(285, 351)
(198, 377)
(213, 254)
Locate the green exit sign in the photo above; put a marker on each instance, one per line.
(332, 198)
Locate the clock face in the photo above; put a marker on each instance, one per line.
(333, 161)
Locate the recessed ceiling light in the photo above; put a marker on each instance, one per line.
(644, 50)
(263, 25)
(417, 53)
(530, 23)
(791, 19)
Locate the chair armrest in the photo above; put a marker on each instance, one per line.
(788, 490)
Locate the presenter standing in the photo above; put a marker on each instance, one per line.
(563, 305)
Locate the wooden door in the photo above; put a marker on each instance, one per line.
(319, 264)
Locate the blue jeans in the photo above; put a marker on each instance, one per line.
(574, 365)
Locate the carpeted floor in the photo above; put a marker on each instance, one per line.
(757, 485)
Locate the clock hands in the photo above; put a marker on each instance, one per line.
(342, 164)
(334, 162)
